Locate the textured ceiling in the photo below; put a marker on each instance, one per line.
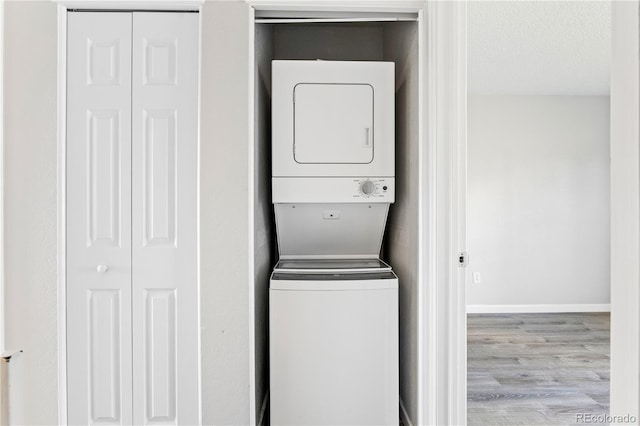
(539, 47)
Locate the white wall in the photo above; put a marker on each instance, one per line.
(30, 243)
(538, 200)
(264, 232)
(401, 245)
(226, 259)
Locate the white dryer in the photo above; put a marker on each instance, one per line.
(333, 119)
(333, 304)
(333, 145)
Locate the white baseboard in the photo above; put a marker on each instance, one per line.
(404, 417)
(542, 308)
(263, 410)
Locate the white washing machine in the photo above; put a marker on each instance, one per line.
(333, 304)
(333, 343)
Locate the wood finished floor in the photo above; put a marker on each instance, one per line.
(537, 369)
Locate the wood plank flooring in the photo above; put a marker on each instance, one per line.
(537, 369)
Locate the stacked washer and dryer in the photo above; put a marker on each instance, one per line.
(333, 303)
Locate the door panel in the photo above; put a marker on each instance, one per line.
(160, 351)
(333, 123)
(103, 170)
(104, 354)
(98, 218)
(159, 178)
(164, 156)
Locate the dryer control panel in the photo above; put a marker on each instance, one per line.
(372, 188)
(333, 190)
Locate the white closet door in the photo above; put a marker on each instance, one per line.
(164, 156)
(99, 218)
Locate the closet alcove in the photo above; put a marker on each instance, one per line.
(356, 37)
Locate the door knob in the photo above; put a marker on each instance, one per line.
(102, 268)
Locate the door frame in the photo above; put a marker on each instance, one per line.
(63, 7)
(2, 30)
(441, 332)
(448, 257)
(625, 210)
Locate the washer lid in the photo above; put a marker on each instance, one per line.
(359, 281)
(330, 266)
(330, 230)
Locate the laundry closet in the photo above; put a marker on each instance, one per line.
(357, 38)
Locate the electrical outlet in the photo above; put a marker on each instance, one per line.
(477, 278)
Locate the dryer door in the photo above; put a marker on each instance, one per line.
(333, 123)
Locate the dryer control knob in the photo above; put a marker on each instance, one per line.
(367, 187)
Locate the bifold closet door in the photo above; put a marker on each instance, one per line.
(132, 295)
(165, 129)
(98, 211)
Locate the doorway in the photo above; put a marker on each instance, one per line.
(538, 190)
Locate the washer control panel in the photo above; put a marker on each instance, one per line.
(361, 189)
(372, 188)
